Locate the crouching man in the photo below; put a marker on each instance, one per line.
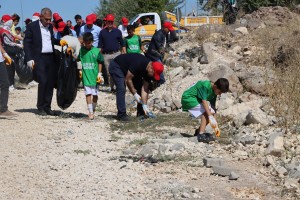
(134, 71)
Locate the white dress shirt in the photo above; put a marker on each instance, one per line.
(123, 29)
(46, 39)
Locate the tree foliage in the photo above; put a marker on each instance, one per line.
(130, 8)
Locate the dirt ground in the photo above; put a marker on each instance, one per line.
(70, 157)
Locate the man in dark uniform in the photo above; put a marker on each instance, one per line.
(39, 55)
(136, 71)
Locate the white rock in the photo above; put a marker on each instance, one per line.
(242, 30)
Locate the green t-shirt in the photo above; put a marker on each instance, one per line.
(133, 44)
(193, 96)
(89, 59)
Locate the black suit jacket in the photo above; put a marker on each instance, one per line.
(33, 41)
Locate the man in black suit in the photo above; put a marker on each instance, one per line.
(39, 55)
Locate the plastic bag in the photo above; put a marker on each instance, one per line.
(67, 82)
(24, 72)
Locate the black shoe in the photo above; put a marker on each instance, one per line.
(50, 112)
(196, 132)
(203, 138)
(123, 118)
(209, 136)
(41, 112)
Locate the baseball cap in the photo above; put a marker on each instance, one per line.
(94, 16)
(61, 26)
(35, 16)
(124, 21)
(110, 18)
(158, 68)
(56, 17)
(89, 20)
(168, 25)
(6, 18)
(27, 20)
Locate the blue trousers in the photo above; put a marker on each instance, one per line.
(119, 78)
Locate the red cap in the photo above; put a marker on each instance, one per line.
(36, 14)
(158, 68)
(56, 17)
(110, 18)
(6, 18)
(168, 25)
(124, 21)
(94, 16)
(89, 19)
(61, 26)
(27, 20)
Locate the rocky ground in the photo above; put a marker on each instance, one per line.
(70, 157)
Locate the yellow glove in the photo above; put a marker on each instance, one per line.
(70, 50)
(8, 60)
(218, 132)
(63, 43)
(80, 74)
(100, 78)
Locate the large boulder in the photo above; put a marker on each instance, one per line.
(254, 79)
(224, 71)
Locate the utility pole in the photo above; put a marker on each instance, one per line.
(22, 13)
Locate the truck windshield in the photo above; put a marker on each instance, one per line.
(133, 19)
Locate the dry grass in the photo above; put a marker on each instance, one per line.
(280, 53)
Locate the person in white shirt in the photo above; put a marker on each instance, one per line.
(123, 27)
(91, 27)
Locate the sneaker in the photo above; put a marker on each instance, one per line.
(203, 138)
(32, 83)
(11, 88)
(91, 116)
(7, 114)
(41, 112)
(196, 132)
(210, 136)
(123, 118)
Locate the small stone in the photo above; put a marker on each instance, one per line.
(185, 195)
(209, 162)
(195, 190)
(166, 109)
(167, 98)
(222, 170)
(156, 106)
(177, 104)
(233, 176)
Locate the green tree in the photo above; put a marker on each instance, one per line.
(130, 8)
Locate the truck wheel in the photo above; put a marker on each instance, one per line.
(146, 45)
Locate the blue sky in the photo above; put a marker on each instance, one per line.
(66, 8)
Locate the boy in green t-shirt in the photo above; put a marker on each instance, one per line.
(91, 60)
(195, 100)
(133, 42)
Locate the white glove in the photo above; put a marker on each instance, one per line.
(213, 121)
(138, 98)
(20, 46)
(100, 78)
(31, 64)
(173, 53)
(146, 109)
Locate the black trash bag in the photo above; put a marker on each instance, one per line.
(24, 72)
(67, 82)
